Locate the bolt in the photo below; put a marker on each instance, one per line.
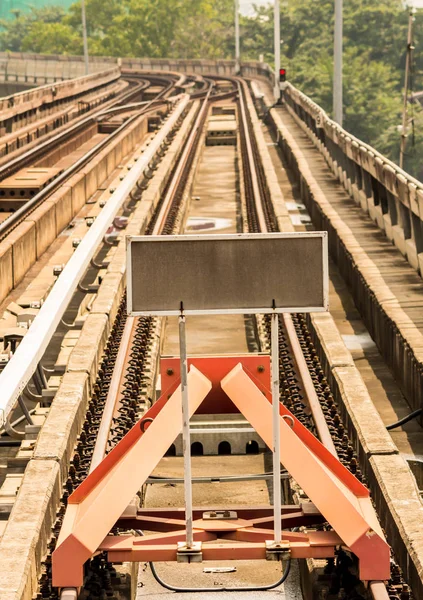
(169, 371)
(260, 369)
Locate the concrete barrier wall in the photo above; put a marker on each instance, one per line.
(392, 198)
(11, 107)
(39, 68)
(29, 240)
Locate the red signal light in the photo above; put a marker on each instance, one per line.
(282, 75)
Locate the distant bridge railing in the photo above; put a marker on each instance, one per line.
(392, 198)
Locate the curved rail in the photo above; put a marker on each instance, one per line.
(21, 213)
(36, 152)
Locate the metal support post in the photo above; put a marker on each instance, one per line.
(277, 17)
(37, 382)
(277, 502)
(186, 440)
(408, 60)
(337, 64)
(84, 37)
(42, 376)
(25, 410)
(237, 50)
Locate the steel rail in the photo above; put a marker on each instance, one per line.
(32, 154)
(24, 361)
(26, 209)
(130, 327)
(119, 370)
(302, 369)
(252, 164)
(22, 212)
(377, 588)
(180, 169)
(113, 393)
(15, 218)
(27, 95)
(308, 386)
(140, 85)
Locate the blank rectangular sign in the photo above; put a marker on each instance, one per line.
(212, 274)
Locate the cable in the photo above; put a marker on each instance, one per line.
(404, 420)
(261, 588)
(183, 590)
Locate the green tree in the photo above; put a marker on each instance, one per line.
(372, 102)
(52, 38)
(14, 32)
(375, 35)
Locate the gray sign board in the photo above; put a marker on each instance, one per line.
(215, 274)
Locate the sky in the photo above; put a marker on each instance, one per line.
(246, 5)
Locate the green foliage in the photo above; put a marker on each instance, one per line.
(52, 38)
(375, 33)
(158, 28)
(14, 32)
(375, 36)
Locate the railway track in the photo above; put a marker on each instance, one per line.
(114, 406)
(34, 155)
(304, 388)
(124, 105)
(311, 402)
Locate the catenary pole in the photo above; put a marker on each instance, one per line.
(237, 45)
(337, 60)
(404, 128)
(84, 37)
(277, 49)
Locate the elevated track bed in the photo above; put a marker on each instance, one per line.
(160, 201)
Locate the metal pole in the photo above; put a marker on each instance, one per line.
(277, 17)
(237, 50)
(407, 76)
(84, 37)
(186, 440)
(337, 60)
(277, 501)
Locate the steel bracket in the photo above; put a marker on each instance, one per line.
(191, 554)
(277, 552)
(211, 515)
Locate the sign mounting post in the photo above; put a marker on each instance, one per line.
(185, 430)
(277, 500)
